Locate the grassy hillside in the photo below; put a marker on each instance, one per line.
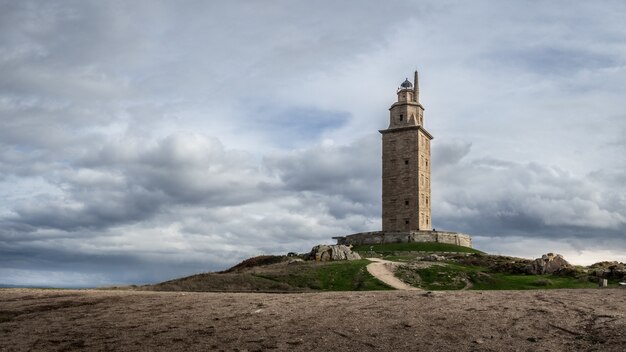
(491, 272)
(454, 268)
(221, 282)
(281, 276)
(330, 276)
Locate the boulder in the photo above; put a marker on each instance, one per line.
(325, 253)
(548, 264)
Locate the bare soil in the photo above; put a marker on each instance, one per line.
(98, 320)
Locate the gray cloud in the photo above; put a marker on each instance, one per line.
(350, 171)
(499, 198)
(122, 183)
(175, 138)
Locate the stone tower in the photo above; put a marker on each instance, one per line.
(406, 164)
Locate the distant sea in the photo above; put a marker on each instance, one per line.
(48, 287)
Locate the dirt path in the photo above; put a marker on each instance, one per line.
(380, 270)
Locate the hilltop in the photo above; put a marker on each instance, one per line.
(430, 266)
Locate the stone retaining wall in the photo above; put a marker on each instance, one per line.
(378, 237)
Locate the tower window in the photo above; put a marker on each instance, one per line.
(401, 117)
(406, 161)
(406, 202)
(406, 222)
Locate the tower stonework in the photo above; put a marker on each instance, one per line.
(406, 196)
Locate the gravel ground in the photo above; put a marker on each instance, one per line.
(554, 320)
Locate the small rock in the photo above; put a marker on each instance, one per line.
(479, 341)
(532, 339)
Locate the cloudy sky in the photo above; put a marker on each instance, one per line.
(145, 140)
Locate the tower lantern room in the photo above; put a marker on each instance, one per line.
(407, 110)
(406, 92)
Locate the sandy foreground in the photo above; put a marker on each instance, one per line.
(554, 320)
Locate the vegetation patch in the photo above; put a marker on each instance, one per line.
(437, 276)
(233, 282)
(282, 277)
(329, 276)
(455, 276)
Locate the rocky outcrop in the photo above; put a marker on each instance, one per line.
(325, 253)
(434, 258)
(548, 264)
(609, 270)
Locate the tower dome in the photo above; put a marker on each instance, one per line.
(406, 84)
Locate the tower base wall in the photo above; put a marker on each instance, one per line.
(379, 237)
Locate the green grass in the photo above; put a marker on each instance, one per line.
(415, 246)
(304, 276)
(330, 276)
(499, 281)
(453, 276)
(441, 278)
(448, 276)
